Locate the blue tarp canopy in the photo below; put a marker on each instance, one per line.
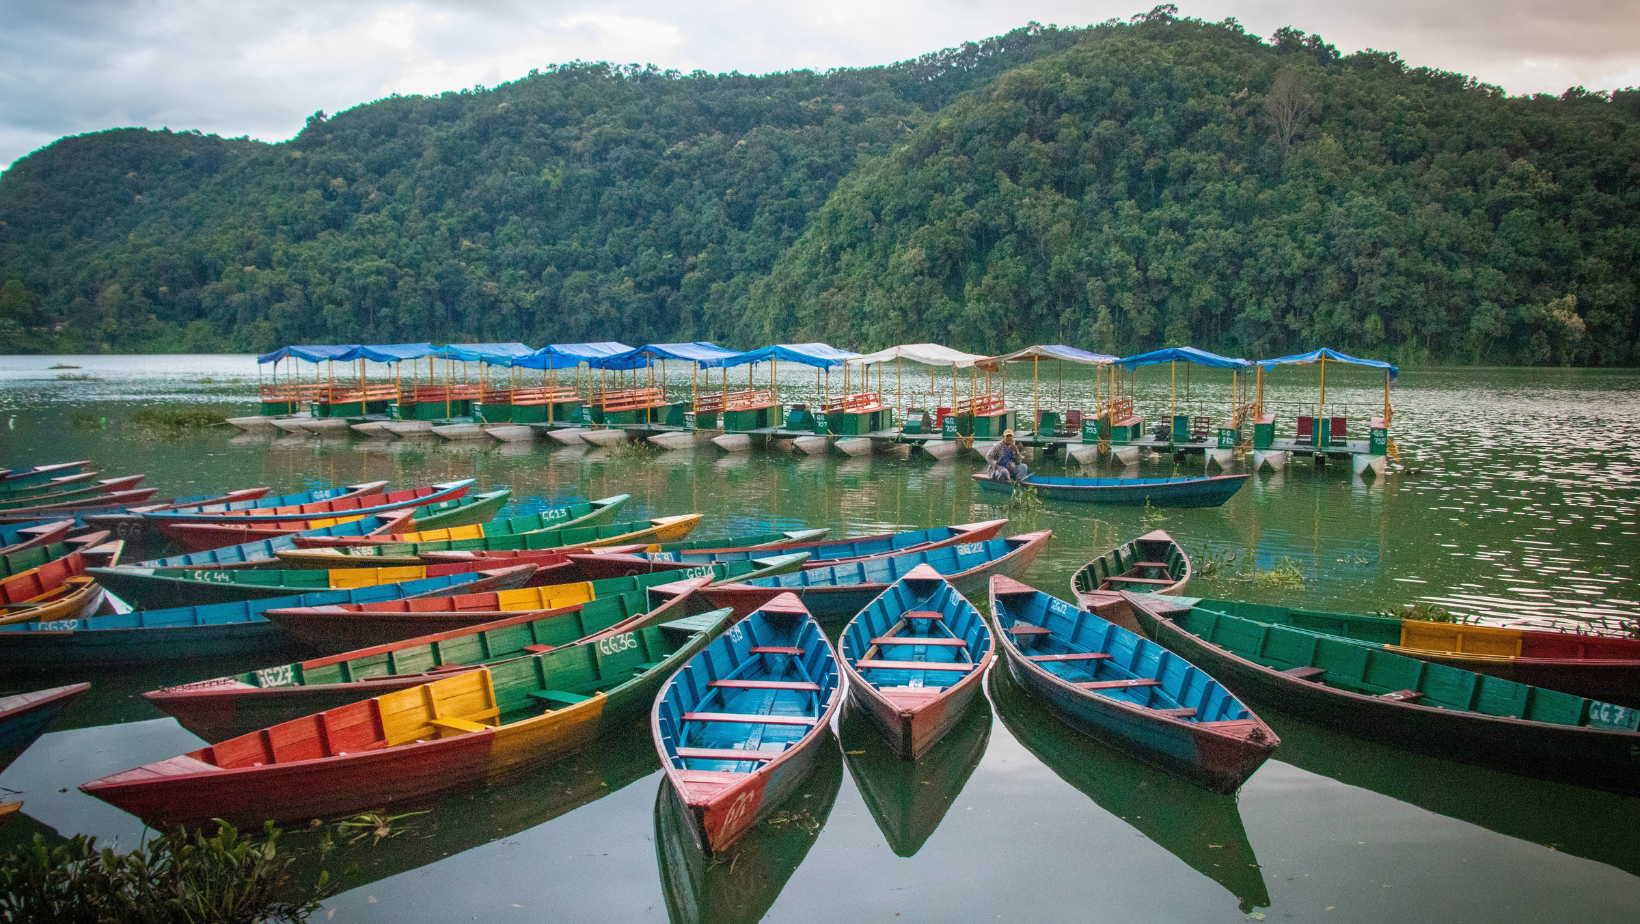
(1183, 355)
(819, 355)
(394, 352)
(496, 354)
(643, 357)
(570, 355)
(312, 354)
(1335, 356)
(1045, 351)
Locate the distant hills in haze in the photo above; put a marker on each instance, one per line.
(1121, 187)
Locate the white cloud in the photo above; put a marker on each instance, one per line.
(259, 67)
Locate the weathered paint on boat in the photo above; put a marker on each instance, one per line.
(39, 473)
(1160, 492)
(204, 532)
(1403, 701)
(1128, 691)
(843, 590)
(660, 529)
(346, 505)
(582, 513)
(119, 500)
(733, 760)
(413, 743)
(57, 589)
(48, 494)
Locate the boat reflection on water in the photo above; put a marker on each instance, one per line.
(473, 816)
(742, 885)
(1581, 822)
(1199, 827)
(909, 798)
(20, 828)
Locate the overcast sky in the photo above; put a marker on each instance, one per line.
(259, 67)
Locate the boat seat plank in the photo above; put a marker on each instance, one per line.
(455, 724)
(766, 685)
(1150, 564)
(538, 649)
(922, 614)
(868, 665)
(740, 718)
(1072, 656)
(1305, 673)
(558, 697)
(913, 640)
(1118, 684)
(1138, 580)
(1025, 628)
(725, 754)
(776, 649)
(1185, 713)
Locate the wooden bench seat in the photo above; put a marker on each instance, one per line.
(913, 640)
(776, 649)
(1184, 713)
(863, 403)
(982, 405)
(725, 754)
(738, 718)
(874, 665)
(1025, 628)
(534, 396)
(1139, 580)
(455, 724)
(804, 685)
(921, 614)
(1072, 656)
(1304, 673)
(557, 698)
(630, 399)
(1118, 684)
(718, 402)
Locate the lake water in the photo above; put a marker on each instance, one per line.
(1519, 505)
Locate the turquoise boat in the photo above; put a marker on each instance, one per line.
(1157, 492)
(830, 552)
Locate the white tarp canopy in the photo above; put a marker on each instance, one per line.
(929, 354)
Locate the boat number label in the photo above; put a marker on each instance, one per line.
(970, 548)
(698, 571)
(328, 493)
(1060, 607)
(556, 513)
(280, 676)
(736, 633)
(617, 644)
(1606, 715)
(61, 625)
(214, 577)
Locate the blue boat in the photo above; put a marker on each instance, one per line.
(740, 725)
(914, 658)
(157, 636)
(24, 717)
(840, 591)
(284, 500)
(1208, 491)
(1128, 691)
(19, 477)
(838, 551)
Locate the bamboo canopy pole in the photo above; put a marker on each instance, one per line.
(1386, 398)
(1321, 408)
(1173, 397)
(1036, 392)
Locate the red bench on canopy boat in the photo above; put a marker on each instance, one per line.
(863, 403)
(981, 405)
(629, 399)
(749, 400)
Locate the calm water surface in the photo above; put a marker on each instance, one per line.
(1519, 506)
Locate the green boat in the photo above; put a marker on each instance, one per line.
(1365, 690)
(226, 707)
(409, 553)
(584, 513)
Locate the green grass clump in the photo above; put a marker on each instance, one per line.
(173, 421)
(1284, 573)
(633, 449)
(178, 878)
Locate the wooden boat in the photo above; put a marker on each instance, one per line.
(909, 798)
(1203, 829)
(659, 529)
(1152, 563)
(414, 743)
(843, 590)
(72, 493)
(225, 707)
(25, 716)
(348, 627)
(821, 554)
(1158, 492)
(49, 486)
(914, 658)
(264, 503)
(93, 547)
(351, 506)
(58, 589)
(1599, 667)
(20, 476)
(705, 890)
(21, 538)
(200, 536)
(780, 541)
(129, 524)
(584, 513)
(199, 634)
(741, 724)
(1378, 694)
(101, 503)
(1127, 691)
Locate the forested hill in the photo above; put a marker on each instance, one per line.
(1120, 187)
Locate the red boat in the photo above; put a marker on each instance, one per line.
(203, 532)
(59, 589)
(119, 500)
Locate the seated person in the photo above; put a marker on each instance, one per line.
(1004, 462)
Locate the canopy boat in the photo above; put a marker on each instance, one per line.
(1128, 691)
(1209, 491)
(100, 503)
(1060, 423)
(17, 477)
(25, 717)
(821, 554)
(843, 590)
(457, 511)
(265, 553)
(745, 413)
(584, 513)
(628, 404)
(1316, 431)
(202, 633)
(700, 889)
(1153, 563)
(348, 627)
(908, 799)
(741, 724)
(914, 658)
(659, 529)
(58, 589)
(1378, 694)
(558, 408)
(295, 406)
(1600, 667)
(25, 536)
(863, 413)
(414, 743)
(1203, 829)
(55, 495)
(352, 505)
(226, 707)
(1190, 426)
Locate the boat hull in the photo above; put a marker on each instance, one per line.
(25, 717)
(1185, 492)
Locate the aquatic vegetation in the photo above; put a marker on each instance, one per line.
(1427, 612)
(1153, 515)
(76, 377)
(1211, 563)
(1023, 500)
(173, 421)
(1284, 573)
(374, 825)
(635, 450)
(84, 420)
(179, 877)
